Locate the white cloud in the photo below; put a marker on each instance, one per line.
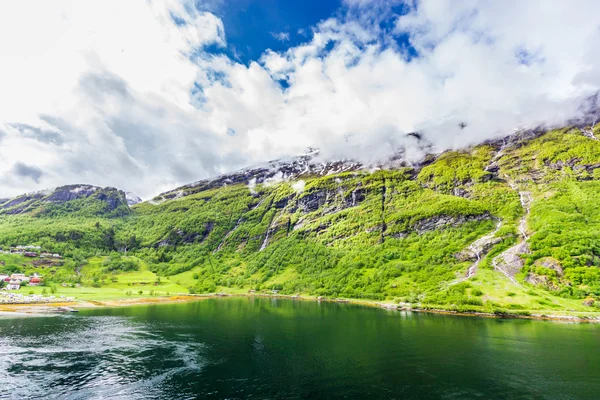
(299, 186)
(281, 36)
(252, 186)
(128, 98)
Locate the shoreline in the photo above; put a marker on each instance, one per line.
(39, 309)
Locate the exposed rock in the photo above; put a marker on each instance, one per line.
(445, 221)
(356, 197)
(550, 263)
(540, 280)
(478, 247)
(562, 164)
(398, 235)
(22, 199)
(274, 171)
(181, 237)
(282, 203)
(493, 168)
(313, 201)
(589, 302)
(461, 192)
(71, 192)
(510, 262)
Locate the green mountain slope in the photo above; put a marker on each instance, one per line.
(512, 224)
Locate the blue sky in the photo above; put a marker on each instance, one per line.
(251, 26)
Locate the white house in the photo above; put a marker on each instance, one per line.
(13, 286)
(19, 277)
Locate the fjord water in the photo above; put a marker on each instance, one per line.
(282, 349)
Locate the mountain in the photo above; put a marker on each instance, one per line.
(73, 199)
(510, 224)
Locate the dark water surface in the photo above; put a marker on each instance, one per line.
(281, 349)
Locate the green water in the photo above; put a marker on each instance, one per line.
(282, 349)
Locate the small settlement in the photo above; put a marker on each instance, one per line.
(30, 251)
(14, 283)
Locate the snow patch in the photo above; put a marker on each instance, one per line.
(132, 198)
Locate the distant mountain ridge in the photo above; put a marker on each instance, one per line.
(89, 198)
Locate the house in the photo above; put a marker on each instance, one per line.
(50, 255)
(35, 281)
(13, 286)
(18, 277)
(3, 277)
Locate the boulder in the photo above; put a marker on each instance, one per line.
(589, 302)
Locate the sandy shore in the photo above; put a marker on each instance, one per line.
(53, 308)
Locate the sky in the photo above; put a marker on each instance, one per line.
(147, 95)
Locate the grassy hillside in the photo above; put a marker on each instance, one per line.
(511, 225)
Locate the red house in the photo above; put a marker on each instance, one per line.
(35, 281)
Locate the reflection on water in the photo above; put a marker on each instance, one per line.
(263, 348)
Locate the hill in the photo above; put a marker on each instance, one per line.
(84, 200)
(508, 224)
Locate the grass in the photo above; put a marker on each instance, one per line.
(498, 289)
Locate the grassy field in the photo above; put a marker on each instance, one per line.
(498, 289)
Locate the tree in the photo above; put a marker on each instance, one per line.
(109, 238)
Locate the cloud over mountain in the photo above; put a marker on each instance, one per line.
(136, 94)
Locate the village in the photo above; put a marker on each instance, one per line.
(30, 251)
(16, 281)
